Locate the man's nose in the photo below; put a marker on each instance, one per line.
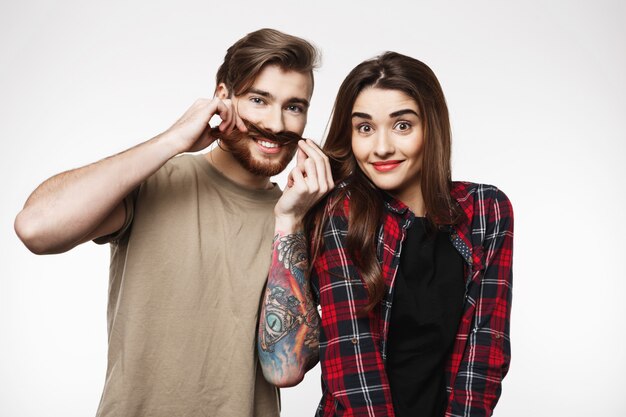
(274, 120)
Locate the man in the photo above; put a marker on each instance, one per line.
(191, 236)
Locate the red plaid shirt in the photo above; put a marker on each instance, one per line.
(353, 348)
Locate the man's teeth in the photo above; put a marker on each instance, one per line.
(268, 144)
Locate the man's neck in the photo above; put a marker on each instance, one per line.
(224, 162)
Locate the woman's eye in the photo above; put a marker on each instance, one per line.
(403, 126)
(364, 128)
(256, 100)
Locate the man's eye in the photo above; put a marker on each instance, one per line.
(256, 100)
(294, 108)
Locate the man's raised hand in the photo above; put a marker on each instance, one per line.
(307, 183)
(191, 132)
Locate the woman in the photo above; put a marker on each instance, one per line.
(412, 271)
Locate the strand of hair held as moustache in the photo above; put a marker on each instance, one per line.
(283, 138)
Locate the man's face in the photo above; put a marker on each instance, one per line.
(277, 101)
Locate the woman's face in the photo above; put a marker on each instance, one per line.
(388, 141)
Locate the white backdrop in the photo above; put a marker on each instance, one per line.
(537, 94)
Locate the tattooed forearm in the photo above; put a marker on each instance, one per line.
(284, 311)
(283, 315)
(292, 252)
(312, 320)
(289, 322)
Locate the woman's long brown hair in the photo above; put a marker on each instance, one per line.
(389, 71)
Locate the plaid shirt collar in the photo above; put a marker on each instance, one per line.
(395, 206)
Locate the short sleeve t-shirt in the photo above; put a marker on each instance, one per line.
(186, 276)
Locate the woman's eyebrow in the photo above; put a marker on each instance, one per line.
(402, 112)
(361, 115)
(394, 114)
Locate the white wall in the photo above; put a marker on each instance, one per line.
(537, 93)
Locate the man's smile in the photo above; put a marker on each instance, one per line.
(267, 146)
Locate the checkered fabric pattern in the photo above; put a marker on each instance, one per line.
(353, 347)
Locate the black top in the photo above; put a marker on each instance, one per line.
(427, 307)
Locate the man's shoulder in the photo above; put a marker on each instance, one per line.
(177, 171)
(181, 164)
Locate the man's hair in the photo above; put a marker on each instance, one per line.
(250, 54)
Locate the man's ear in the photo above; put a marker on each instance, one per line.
(221, 91)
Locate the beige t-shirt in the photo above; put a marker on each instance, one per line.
(186, 276)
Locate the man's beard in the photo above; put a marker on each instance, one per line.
(238, 144)
(240, 150)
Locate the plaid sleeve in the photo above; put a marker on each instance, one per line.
(487, 353)
(353, 375)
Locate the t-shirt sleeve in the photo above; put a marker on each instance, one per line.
(129, 206)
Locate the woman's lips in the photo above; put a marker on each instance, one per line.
(384, 166)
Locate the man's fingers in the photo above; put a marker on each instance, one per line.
(233, 120)
(312, 180)
(290, 180)
(301, 156)
(319, 163)
(224, 109)
(326, 163)
(239, 122)
(297, 178)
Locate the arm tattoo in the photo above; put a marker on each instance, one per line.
(288, 305)
(282, 317)
(292, 253)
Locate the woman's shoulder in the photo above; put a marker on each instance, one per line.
(338, 201)
(481, 200)
(475, 192)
